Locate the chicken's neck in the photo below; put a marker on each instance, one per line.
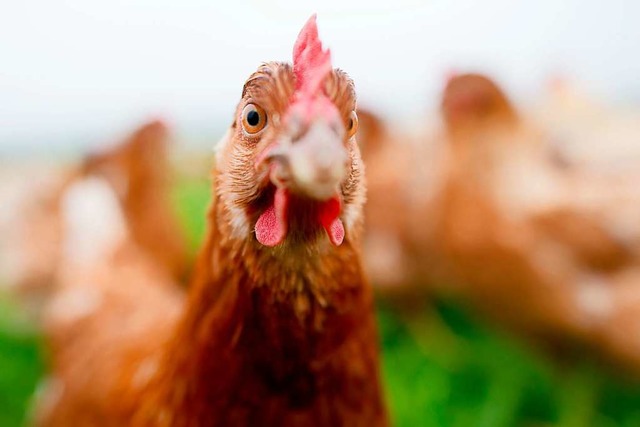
(267, 335)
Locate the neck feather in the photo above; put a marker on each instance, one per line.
(264, 330)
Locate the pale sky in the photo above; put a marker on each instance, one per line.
(82, 71)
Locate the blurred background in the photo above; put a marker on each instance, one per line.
(527, 309)
(78, 72)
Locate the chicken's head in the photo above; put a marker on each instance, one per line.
(470, 100)
(289, 168)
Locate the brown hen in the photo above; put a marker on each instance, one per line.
(139, 170)
(136, 169)
(278, 328)
(528, 237)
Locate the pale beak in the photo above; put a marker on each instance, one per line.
(317, 160)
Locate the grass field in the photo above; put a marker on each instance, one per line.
(442, 366)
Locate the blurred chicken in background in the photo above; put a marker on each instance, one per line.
(138, 172)
(502, 180)
(498, 211)
(536, 239)
(104, 275)
(30, 229)
(404, 175)
(587, 131)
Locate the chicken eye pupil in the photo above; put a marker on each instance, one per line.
(350, 124)
(253, 118)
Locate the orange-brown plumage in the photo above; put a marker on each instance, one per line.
(272, 334)
(139, 170)
(540, 245)
(531, 240)
(405, 176)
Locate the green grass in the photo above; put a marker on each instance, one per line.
(442, 366)
(191, 199)
(20, 365)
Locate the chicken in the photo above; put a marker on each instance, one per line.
(278, 327)
(139, 171)
(385, 253)
(601, 142)
(600, 138)
(528, 237)
(497, 176)
(83, 317)
(505, 218)
(30, 229)
(405, 174)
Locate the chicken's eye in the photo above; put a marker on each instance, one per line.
(254, 119)
(352, 124)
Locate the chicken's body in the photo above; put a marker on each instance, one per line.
(105, 339)
(250, 350)
(139, 171)
(278, 328)
(533, 240)
(405, 176)
(495, 211)
(30, 229)
(267, 348)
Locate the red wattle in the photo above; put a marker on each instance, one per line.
(271, 227)
(336, 232)
(329, 218)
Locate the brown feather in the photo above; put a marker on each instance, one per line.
(280, 336)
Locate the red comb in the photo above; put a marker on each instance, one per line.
(311, 63)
